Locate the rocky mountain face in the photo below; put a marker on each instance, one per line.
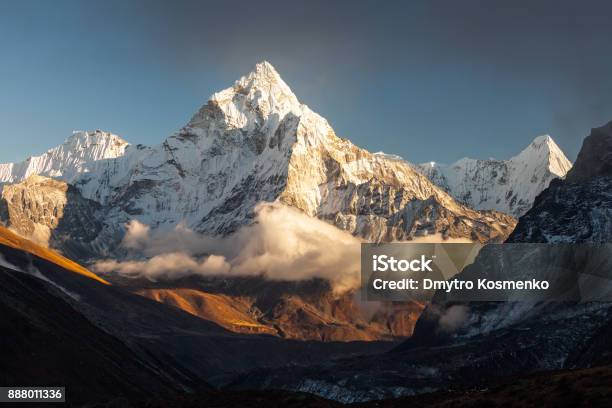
(250, 143)
(595, 158)
(50, 211)
(509, 186)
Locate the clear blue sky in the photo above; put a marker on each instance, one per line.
(428, 80)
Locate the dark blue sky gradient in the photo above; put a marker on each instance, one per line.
(428, 80)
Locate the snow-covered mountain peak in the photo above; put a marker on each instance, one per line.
(78, 154)
(265, 90)
(544, 143)
(542, 140)
(543, 149)
(253, 99)
(264, 77)
(96, 144)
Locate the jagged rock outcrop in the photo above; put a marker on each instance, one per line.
(50, 212)
(595, 157)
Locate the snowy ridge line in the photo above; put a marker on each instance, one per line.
(509, 186)
(78, 154)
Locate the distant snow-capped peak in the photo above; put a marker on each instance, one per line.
(80, 153)
(543, 149)
(510, 185)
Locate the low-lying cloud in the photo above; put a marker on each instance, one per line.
(453, 318)
(449, 319)
(169, 266)
(282, 244)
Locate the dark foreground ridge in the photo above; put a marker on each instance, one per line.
(580, 388)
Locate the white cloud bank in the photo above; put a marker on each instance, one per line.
(282, 244)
